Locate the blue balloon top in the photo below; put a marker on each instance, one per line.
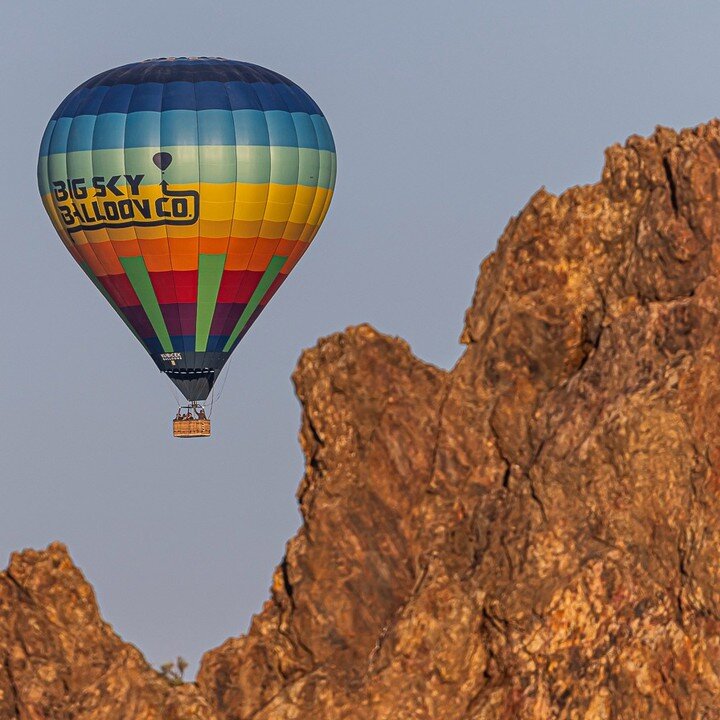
(186, 84)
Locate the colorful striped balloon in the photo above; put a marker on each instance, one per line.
(187, 189)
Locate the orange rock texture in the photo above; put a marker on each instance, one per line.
(60, 661)
(534, 534)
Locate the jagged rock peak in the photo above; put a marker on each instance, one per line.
(60, 661)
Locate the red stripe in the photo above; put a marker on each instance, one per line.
(120, 289)
(237, 286)
(175, 286)
(276, 283)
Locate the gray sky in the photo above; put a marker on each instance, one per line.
(447, 116)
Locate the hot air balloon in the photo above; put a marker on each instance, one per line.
(187, 189)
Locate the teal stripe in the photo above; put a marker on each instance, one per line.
(118, 130)
(137, 273)
(210, 270)
(271, 272)
(42, 175)
(218, 164)
(47, 135)
(285, 165)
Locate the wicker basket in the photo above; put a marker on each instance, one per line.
(191, 428)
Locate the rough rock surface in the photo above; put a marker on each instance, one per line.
(60, 661)
(532, 535)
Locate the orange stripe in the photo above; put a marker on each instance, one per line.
(243, 253)
(297, 253)
(260, 260)
(91, 259)
(105, 257)
(213, 246)
(184, 253)
(156, 254)
(285, 247)
(127, 248)
(239, 253)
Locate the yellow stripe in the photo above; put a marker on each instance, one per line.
(228, 203)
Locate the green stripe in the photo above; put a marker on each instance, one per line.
(108, 297)
(255, 164)
(271, 272)
(210, 272)
(140, 280)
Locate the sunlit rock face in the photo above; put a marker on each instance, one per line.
(60, 661)
(533, 534)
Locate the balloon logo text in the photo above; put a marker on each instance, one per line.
(122, 201)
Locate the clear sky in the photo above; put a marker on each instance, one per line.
(447, 116)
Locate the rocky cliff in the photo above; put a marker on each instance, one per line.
(534, 534)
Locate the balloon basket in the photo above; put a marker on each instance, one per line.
(192, 423)
(191, 428)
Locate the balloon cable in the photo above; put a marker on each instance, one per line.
(212, 402)
(171, 390)
(222, 386)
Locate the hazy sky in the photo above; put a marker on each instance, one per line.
(447, 116)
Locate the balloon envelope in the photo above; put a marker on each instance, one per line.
(187, 189)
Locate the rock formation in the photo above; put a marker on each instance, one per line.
(533, 534)
(60, 661)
